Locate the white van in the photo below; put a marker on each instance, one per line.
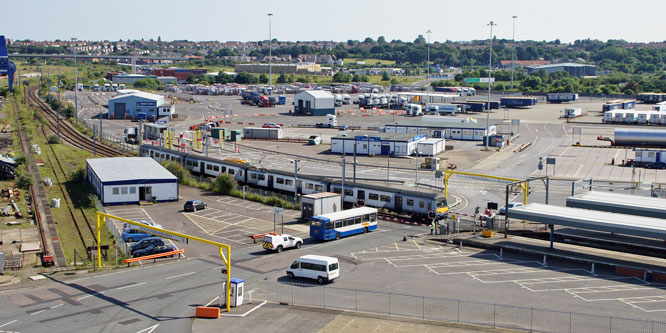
(320, 268)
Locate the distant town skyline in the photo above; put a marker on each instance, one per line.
(298, 20)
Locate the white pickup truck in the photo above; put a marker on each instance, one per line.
(278, 243)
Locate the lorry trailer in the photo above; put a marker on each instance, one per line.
(517, 102)
(561, 97)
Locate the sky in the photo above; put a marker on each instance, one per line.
(334, 20)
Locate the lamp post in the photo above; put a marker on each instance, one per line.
(490, 64)
(270, 51)
(76, 86)
(428, 64)
(295, 180)
(513, 54)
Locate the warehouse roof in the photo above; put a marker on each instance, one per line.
(140, 94)
(317, 93)
(380, 135)
(113, 169)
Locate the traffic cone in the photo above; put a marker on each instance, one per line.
(404, 237)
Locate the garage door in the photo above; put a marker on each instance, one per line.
(118, 110)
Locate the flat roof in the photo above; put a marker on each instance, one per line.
(114, 169)
(591, 220)
(431, 141)
(381, 135)
(317, 93)
(619, 203)
(141, 94)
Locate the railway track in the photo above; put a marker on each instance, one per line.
(68, 133)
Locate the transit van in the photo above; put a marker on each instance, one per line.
(320, 268)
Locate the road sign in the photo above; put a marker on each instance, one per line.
(278, 210)
(141, 115)
(550, 160)
(439, 174)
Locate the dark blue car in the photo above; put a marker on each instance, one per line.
(153, 249)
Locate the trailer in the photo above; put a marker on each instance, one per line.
(262, 133)
(443, 109)
(473, 106)
(561, 97)
(517, 102)
(651, 97)
(494, 105)
(572, 112)
(612, 105)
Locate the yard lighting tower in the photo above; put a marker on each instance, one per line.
(513, 54)
(270, 51)
(490, 64)
(76, 86)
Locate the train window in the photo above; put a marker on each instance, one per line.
(209, 167)
(240, 173)
(289, 182)
(429, 205)
(188, 163)
(309, 186)
(116, 190)
(232, 171)
(421, 204)
(262, 177)
(253, 176)
(349, 192)
(152, 153)
(373, 196)
(216, 168)
(195, 164)
(224, 169)
(162, 156)
(385, 198)
(319, 187)
(337, 190)
(173, 158)
(410, 202)
(279, 180)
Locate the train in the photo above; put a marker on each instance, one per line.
(419, 206)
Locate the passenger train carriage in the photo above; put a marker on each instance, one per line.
(420, 205)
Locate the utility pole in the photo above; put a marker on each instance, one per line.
(295, 180)
(513, 54)
(76, 88)
(342, 195)
(270, 51)
(490, 64)
(428, 79)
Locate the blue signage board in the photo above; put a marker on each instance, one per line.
(141, 115)
(146, 103)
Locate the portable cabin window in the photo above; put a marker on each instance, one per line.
(152, 153)
(289, 182)
(309, 186)
(116, 190)
(319, 187)
(349, 192)
(279, 180)
(173, 158)
(132, 190)
(253, 176)
(410, 202)
(385, 198)
(232, 171)
(261, 177)
(373, 196)
(123, 190)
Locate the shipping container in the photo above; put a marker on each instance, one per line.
(262, 133)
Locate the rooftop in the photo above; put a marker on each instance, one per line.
(481, 123)
(317, 93)
(113, 169)
(377, 136)
(141, 94)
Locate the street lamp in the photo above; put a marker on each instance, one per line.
(513, 55)
(76, 86)
(295, 180)
(428, 79)
(270, 51)
(490, 64)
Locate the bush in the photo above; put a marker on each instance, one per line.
(24, 181)
(178, 170)
(53, 139)
(78, 175)
(224, 183)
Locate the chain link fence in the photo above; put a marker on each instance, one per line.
(452, 310)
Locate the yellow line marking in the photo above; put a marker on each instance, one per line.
(376, 249)
(396, 246)
(417, 245)
(191, 220)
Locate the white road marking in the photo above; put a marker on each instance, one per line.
(149, 329)
(181, 275)
(213, 300)
(91, 295)
(131, 285)
(34, 313)
(55, 306)
(11, 322)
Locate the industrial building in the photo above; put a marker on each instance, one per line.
(304, 68)
(314, 103)
(444, 127)
(376, 143)
(572, 68)
(129, 180)
(179, 74)
(128, 105)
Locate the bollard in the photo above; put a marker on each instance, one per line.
(544, 261)
(501, 252)
(592, 268)
(461, 246)
(251, 291)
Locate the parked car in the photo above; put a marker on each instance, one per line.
(271, 125)
(656, 165)
(194, 205)
(153, 249)
(133, 234)
(279, 242)
(512, 205)
(343, 128)
(146, 242)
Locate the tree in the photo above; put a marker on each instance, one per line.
(420, 40)
(341, 77)
(368, 40)
(385, 76)
(224, 183)
(282, 78)
(381, 40)
(263, 78)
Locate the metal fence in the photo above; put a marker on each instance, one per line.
(452, 310)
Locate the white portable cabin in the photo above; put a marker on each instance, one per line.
(320, 203)
(431, 147)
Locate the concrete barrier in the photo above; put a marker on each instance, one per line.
(207, 312)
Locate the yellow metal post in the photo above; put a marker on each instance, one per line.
(447, 175)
